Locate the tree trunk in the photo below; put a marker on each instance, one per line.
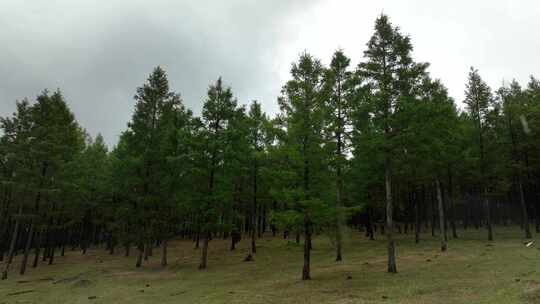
(524, 212)
(392, 268)
(52, 249)
(11, 247)
(306, 275)
(233, 243)
(255, 204)
(164, 253)
(339, 205)
(416, 219)
(37, 250)
(140, 247)
(253, 245)
(488, 215)
(442, 227)
(204, 253)
(451, 206)
(27, 248)
(369, 224)
(146, 251)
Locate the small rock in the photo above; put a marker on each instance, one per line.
(349, 277)
(92, 297)
(147, 285)
(384, 297)
(517, 279)
(366, 263)
(428, 260)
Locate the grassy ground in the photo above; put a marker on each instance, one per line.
(472, 271)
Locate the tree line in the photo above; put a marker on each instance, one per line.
(376, 147)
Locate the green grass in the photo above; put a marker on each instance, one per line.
(470, 272)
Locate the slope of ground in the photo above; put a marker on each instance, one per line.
(472, 271)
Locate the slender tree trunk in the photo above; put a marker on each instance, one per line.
(306, 271)
(52, 248)
(339, 224)
(27, 248)
(369, 225)
(451, 205)
(146, 251)
(416, 219)
(442, 227)
(339, 202)
(12, 246)
(392, 268)
(111, 243)
(37, 249)
(164, 253)
(488, 215)
(524, 212)
(233, 243)
(64, 240)
(140, 248)
(204, 253)
(254, 215)
(253, 244)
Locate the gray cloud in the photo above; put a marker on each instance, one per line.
(98, 52)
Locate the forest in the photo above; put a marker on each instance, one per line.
(378, 149)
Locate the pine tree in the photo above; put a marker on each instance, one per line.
(338, 109)
(302, 110)
(478, 99)
(218, 114)
(143, 138)
(257, 141)
(391, 73)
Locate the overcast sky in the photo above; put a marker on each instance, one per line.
(98, 51)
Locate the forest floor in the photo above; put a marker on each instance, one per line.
(471, 271)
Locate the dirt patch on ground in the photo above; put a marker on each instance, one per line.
(149, 274)
(68, 279)
(83, 283)
(532, 292)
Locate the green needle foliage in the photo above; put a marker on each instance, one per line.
(379, 147)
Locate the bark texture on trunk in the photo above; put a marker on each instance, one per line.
(442, 226)
(139, 255)
(27, 248)
(524, 212)
(306, 270)
(204, 253)
(164, 253)
(488, 215)
(392, 268)
(11, 250)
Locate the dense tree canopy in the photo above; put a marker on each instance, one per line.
(380, 146)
